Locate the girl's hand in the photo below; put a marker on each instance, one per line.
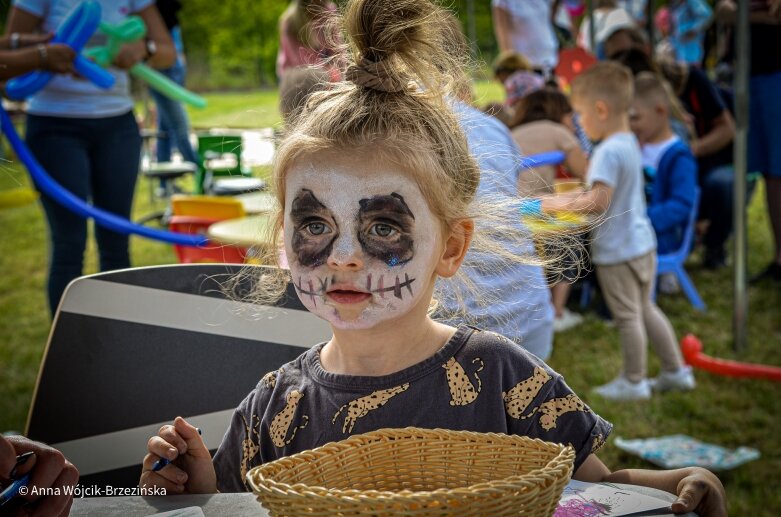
(130, 55)
(191, 468)
(701, 492)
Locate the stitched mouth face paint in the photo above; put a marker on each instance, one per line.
(361, 240)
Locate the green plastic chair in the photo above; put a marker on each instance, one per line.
(220, 156)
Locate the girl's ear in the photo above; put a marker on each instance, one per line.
(456, 246)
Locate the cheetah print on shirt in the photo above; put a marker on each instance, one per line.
(361, 407)
(462, 392)
(517, 400)
(281, 423)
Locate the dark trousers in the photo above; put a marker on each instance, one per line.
(96, 160)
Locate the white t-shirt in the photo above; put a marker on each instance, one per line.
(66, 96)
(531, 31)
(652, 153)
(626, 232)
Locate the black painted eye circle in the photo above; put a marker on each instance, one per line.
(317, 228)
(382, 230)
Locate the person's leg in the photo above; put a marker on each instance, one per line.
(773, 195)
(657, 326)
(622, 293)
(60, 145)
(717, 189)
(765, 155)
(115, 158)
(174, 117)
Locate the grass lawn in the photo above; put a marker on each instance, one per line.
(730, 412)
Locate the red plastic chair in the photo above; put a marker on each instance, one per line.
(211, 252)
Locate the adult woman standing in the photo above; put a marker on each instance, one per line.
(87, 138)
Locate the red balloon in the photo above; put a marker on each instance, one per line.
(692, 353)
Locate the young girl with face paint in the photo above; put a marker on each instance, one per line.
(376, 183)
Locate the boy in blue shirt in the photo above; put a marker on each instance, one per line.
(669, 164)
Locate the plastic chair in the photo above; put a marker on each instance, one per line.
(130, 350)
(220, 156)
(674, 262)
(209, 253)
(194, 214)
(207, 206)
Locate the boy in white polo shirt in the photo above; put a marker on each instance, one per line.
(623, 247)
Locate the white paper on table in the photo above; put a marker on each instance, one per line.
(190, 511)
(581, 499)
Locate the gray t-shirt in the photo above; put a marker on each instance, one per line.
(478, 381)
(626, 232)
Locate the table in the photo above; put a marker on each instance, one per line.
(235, 505)
(245, 232)
(257, 202)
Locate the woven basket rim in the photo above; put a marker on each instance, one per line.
(560, 464)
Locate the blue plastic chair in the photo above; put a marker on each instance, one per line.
(674, 262)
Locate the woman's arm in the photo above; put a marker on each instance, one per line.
(22, 22)
(54, 58)
(502, 28)
(697, 489)
(720, 135)
(133, 53)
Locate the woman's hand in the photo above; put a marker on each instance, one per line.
(47, 468)
(130, 55)
(191, 468)
(701, 492)
(59, 59)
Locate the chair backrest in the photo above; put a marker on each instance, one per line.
(130, 350)
(682, 253)
(214, 207)
(211, 252)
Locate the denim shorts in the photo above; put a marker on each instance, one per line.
(764, 135)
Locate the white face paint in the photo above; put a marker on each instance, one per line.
(360, 239)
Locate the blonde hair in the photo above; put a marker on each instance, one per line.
(652, 88)
(606, 81)
(402, 117)
(511, 61)
(409, 39)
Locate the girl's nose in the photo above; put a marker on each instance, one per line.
(346, 254)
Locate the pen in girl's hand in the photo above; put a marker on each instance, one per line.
(12, 490)
(162, 462)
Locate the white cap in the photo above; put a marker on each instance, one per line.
(614, 21)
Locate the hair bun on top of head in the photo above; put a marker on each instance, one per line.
(399, 45)
(376, 75)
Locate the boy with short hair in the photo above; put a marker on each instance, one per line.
(623, 247)
(669, 165)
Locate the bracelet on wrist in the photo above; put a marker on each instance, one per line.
(43, 54)
(13, 43)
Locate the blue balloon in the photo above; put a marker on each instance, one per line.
(67, 199)
(75, 31)
(546, 158)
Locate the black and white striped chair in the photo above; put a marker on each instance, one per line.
(129, 350)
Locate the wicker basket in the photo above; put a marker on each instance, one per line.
(415, 471)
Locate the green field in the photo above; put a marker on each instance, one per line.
(730, 412)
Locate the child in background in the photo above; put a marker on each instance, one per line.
(377, 185)
(623, 247)
(543, 122)
(518, 78)
(669, 164)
